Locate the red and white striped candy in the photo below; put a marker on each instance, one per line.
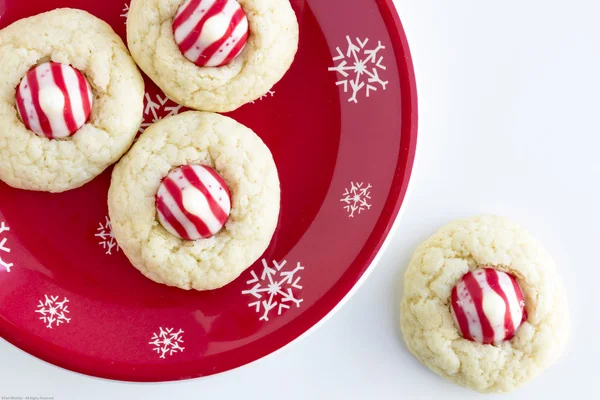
(54, 100)
(193, 202)
(488, 306)
(210, 33)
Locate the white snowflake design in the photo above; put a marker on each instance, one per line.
(4, 247)
(167, 342)
(270, 93)
(359, 68)
(53, 311)
(356, 198)
(154, 111)
(105, 236)
(274, 289)
(125, 12)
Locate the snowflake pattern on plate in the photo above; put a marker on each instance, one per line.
(270, 93)
(154, 111)
(359, 68)
(4, 247)
(53, 312)
(105, 236)
(125, 12)
(356, 198)
(274, 289)
(167, 342)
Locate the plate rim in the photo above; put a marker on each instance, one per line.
(405, 65)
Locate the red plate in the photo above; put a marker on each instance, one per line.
(342, 128)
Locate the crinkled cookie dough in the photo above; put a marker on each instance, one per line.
(268, 54)
(75, 38)
(245, 163)
(426, 319)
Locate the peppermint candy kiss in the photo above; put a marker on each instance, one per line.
(54, 100)
(210, 33)
(193, 202)
(488, 306)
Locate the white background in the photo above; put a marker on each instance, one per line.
(509, 105)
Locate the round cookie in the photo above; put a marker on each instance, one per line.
(244, 162)
(75, 38)
(267, 55)
(430, 331)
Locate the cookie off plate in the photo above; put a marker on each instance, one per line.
(342, 127)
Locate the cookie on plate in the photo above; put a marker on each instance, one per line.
(195, 201)
(213, 55)
(71, 100)
(483, 305)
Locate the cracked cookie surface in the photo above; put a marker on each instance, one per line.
(267, 56)
(74, 37)
(239, 156)
(426, 320)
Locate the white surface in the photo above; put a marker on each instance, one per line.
(509, 104)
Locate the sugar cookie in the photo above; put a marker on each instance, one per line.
(457, 264)
(241, 160)
(171, 39)
(66, 152)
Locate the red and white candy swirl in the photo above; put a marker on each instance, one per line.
(193, 202)
(488, 306)
(54, 100)
(210, 33)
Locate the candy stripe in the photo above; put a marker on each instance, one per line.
(177, 195)
(493, 281)
(210, 32)
(59, 80)
(193, 202)
(188, 17)
(224, 187)
(471, 312)
(494, 307)
(32, 122)
(477, 294)
(75, 95)
(85, 93)
(459, 314)
(23, 112)
(241, 42)
(34, 88)
(54, 100)
(189, 228)
(190, 41)
(488, 306)
(192, 176)
(212, 50)
(54, 110)
(184, 15)
(520, 301)
(201, 202)
(234, 45)
(167, 217)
